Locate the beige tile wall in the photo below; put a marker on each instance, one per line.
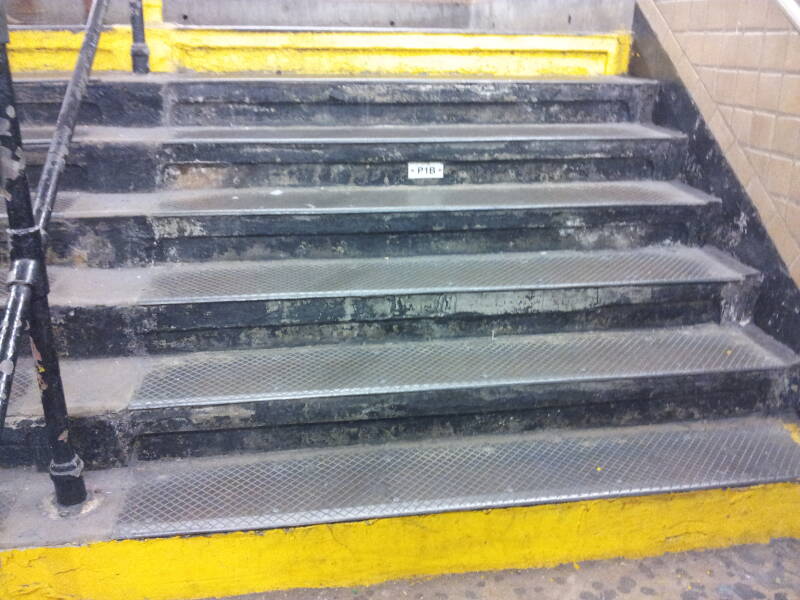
(740, 60)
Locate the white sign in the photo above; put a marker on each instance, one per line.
(425, 170)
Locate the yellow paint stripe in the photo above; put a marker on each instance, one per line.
(794, 430)
(369, 552)
(153, 11)
(330, 53)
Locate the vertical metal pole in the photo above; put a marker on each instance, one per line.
(140, 53)
(25, 238)
(15, 321)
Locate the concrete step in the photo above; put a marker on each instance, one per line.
(285, 489)
(432, 507)
(130, 229)
(231, 304)
(202, 403)
(144, 159)
(125, 100)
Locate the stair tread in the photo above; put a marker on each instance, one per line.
(335, 370)
(465, 363)
(405, 479)
(231, 281)
(389, 199)
(356, 134)
(426, 133)
(295, 488)
(197, 379)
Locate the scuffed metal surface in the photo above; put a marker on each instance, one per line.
(388, 481)
(345, 370)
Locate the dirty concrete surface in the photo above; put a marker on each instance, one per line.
(751, 572)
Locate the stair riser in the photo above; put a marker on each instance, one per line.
(387, 164)
(690, 400)
(341, 103)
(119, 167)
(409, 103)
(111, 439)
(129, 241)
(398, 114)
(118, 104)
(276, 323)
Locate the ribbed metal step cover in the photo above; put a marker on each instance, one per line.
(292, 489)
(343, 370)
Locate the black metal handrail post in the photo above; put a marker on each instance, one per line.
(28, 282)
(28, 299)
(140, 53)
(17, 195)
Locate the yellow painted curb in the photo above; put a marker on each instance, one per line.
(368, 552)
(330, 53)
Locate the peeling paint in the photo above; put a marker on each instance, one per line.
(12, 164)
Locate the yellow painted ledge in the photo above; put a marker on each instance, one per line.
(368, 552)
(176, 49)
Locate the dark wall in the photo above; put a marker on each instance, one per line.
(739, 229)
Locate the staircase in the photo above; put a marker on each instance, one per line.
(243, 266)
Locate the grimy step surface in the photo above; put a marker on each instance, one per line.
(404, 134)
(326, 371)
(144, 159)
(129, 229)
(468, 363)
(336, 278)
(286, 489)
(346, 200)
(187, 99)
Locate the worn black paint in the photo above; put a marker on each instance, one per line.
(194, 326)
(110, 439)
(162, 100)
(140, 240)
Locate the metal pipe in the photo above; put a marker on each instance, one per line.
(66, 466)
(27, 250)
(20, 281)
(68, 116)
(140, 53)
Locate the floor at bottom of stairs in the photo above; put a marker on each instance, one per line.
(296, 488)
(751, 572)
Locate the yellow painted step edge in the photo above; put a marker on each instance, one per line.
(332, 53)
(368, 552)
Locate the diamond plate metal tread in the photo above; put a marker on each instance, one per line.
(304, 488)
(466, 363)
(426, 133)
(390, 199)
(7, 499)
(37, 136)
(335, 278)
